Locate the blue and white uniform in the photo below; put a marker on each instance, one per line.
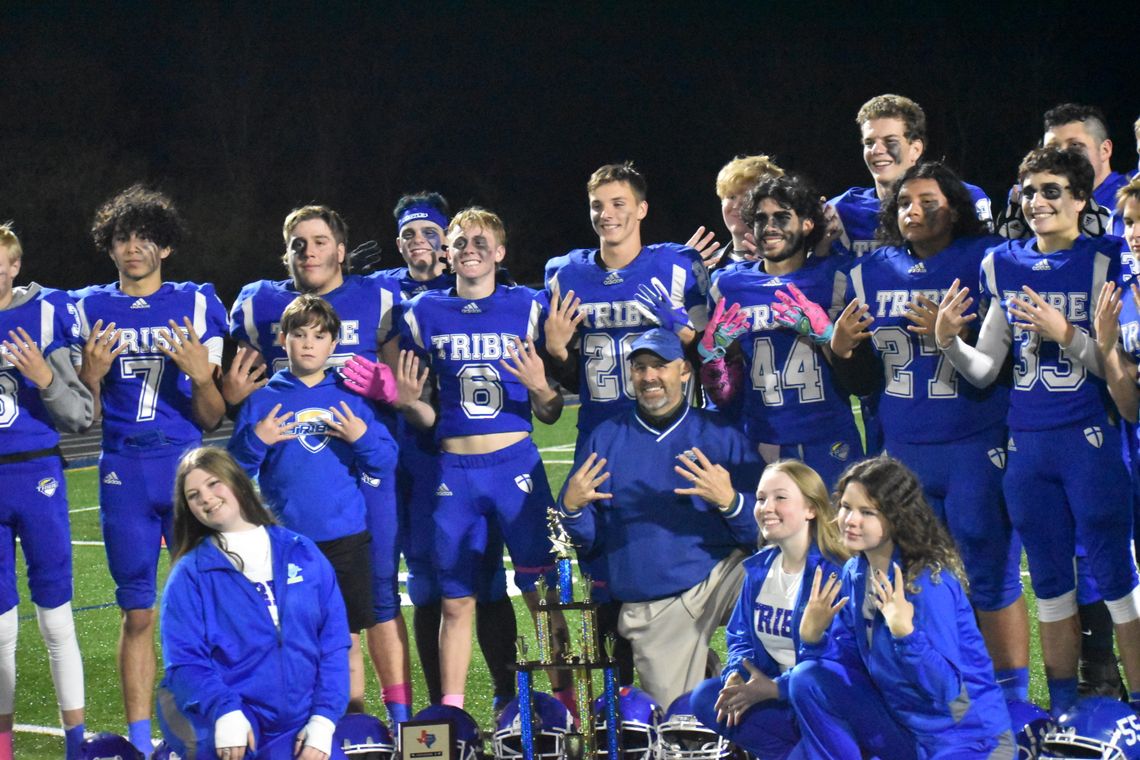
(1105, 195)
(367, 310)
(949, 432)
(463, 340)
(930, 694)
(222, 650)
(418, 477)
(614, 318)
(766, 619)
(791, 397)
(1057, 404)
(33, 501)
(148, 422)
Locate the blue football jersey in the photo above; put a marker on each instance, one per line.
(146, 399)
(924, 400)
(52, 320)
(464, 340)
(614, 320)
(1105, 195)
(790, 393)
(859, 208)
(410, 287)
(364, 305)
(1050, 390)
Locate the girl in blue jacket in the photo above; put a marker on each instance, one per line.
(748, 704)
(896, 667)
(254, 634)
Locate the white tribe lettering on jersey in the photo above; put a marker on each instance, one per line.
(349, 332)
(147, 340)
(473, 346)
(613, 314)
(1073, 305)
(892, 303)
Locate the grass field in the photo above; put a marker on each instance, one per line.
(97, 620)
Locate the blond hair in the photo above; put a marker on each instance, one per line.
(825, 527)
(477, 216)
(11, 242)
(743, 173)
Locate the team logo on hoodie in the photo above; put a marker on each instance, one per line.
(312, 428)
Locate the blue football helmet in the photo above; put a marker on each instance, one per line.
(638, 717)
(550, 723)
(682, 737)
(468, 740)
(1096, 727)
(1030, 725)
(363, 736)
(108, 746)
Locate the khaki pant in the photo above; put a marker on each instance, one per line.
(670, 637)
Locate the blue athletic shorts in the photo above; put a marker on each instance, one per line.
(33, 506)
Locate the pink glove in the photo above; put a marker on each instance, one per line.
(721, 331)
(370, 379)
(802, 315)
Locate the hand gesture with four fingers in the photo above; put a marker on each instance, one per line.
(345, 425)
(188, 353)
(952, 317)
(922, 313)
(102, 348)
(705, 244)
(1106, 321)
(582, 486)
(710, 482)
(272, 429)
(26, 357)
(890, 599)
(245, 375)
(821, 608)
(410, 380)
(851, 329)
(562, 322)
(1039, 316)
(526, 365)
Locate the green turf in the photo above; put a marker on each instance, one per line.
(97, 621)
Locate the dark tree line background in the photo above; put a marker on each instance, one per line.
(242, 112)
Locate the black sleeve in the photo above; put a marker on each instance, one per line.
(862, 374)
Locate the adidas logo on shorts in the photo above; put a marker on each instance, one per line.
(368, 480)
(1042, 266)
(919, 268)
(613, 278)
(443, 490)
(112, 479)
(472, 308)
(140, 303)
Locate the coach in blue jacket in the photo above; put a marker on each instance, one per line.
(655, 490)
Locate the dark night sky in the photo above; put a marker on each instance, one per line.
(243, 112)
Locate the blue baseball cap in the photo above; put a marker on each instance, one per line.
(664, 343)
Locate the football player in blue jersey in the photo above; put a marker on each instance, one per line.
(606, 282)
(480, 340)
(793, 406)
(304, 422)
(596, 315)
(893, 131)
(315, 239)
(152, 361)
(1039, 297)
(39, 393)
(421, 222)
(950, 433)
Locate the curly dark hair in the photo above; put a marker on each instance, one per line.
(143, 211)
(920, 536)
(435, 200)
(956, 194)
(1070, 163)
(188, 532)
(791, 191)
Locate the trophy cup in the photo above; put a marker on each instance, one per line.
(581, 658)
